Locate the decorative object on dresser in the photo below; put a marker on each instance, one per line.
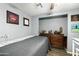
(43, 33)
(61, 30)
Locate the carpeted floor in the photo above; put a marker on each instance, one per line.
(58, 52)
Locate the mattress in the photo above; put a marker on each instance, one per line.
(35, 46)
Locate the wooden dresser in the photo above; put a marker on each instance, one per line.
(57, 41)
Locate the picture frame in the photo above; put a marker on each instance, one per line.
(12, 18)
(75, 27)
(25, 21)
(75, 17)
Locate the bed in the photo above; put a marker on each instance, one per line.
(35, 46)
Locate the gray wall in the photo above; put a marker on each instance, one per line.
(35, 26)
(54, 24)
(13, 31)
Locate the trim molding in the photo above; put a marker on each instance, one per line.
(70, 52)
(16, 40)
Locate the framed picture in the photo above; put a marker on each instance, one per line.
(75, 27)
(12, 18)
(25, 21)
(75, 17)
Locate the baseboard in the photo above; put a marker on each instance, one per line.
(13, 41)
(70, 52)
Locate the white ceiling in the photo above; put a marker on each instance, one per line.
(32, 10)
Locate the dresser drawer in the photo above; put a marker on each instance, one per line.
(57, 41)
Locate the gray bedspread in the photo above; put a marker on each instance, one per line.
(35, 46)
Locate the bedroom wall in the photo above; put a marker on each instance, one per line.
(13, 31)
(54, 24)
(35, 26)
